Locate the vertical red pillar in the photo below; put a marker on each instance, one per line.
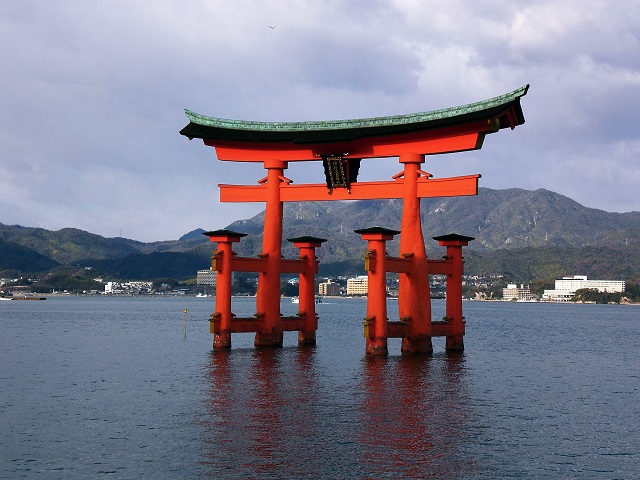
(375, 263)
(268, 295)
(221, 262)
(454, 244)
(306, 293)
(414, 294)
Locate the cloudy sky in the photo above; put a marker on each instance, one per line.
(92, 97)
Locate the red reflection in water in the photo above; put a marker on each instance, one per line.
(414, 425)
(259, 408)
(282, 413)
(265, 412)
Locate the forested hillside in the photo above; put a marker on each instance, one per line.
(522, 234)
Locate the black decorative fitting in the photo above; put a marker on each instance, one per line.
(386, 231)
(224, 233)
(453, 237)
(306, 238)
(339, 171)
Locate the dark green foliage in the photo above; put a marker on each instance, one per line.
(350, 268)
(69, 244)
(165, 284)
(153, 265)
(17, 257)
(244, 284)
(71, 279)
(592, 295)
(288, 290)
(632, 290)
(615, 262)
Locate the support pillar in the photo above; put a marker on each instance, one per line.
(221, 262)
(414, 295)
(268, 294)
(306, 292)
(375, 323)
(453, 314)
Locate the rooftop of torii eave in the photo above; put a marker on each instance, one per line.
(439, 131)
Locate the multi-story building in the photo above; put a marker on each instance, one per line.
(329, 288)
(358, 285)
(609, 286)
(565, 288)
(206, 277)
(515, 293)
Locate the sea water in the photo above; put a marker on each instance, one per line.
(95, 387)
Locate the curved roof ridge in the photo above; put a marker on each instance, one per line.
(411, 118)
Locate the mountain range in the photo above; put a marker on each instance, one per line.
(522, 234)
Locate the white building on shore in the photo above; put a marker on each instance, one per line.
(358, 285)
(566, 287)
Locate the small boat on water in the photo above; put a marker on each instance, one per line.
(23, 298)
(297, 300)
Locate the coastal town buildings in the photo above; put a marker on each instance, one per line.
(128, 288)
(515, 293)
(566, 287)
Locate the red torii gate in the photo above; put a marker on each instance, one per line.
(341, 145)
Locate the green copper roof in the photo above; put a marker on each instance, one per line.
(201, 126)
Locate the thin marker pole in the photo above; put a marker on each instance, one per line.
(185, 323)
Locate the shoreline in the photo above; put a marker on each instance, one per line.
(44, 296)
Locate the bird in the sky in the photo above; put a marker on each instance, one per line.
(271, 27)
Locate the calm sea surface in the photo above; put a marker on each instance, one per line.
(110, 387)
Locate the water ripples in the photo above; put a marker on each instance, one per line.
(110, 387)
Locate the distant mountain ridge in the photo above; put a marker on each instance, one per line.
(497, 219)
(535, 223)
